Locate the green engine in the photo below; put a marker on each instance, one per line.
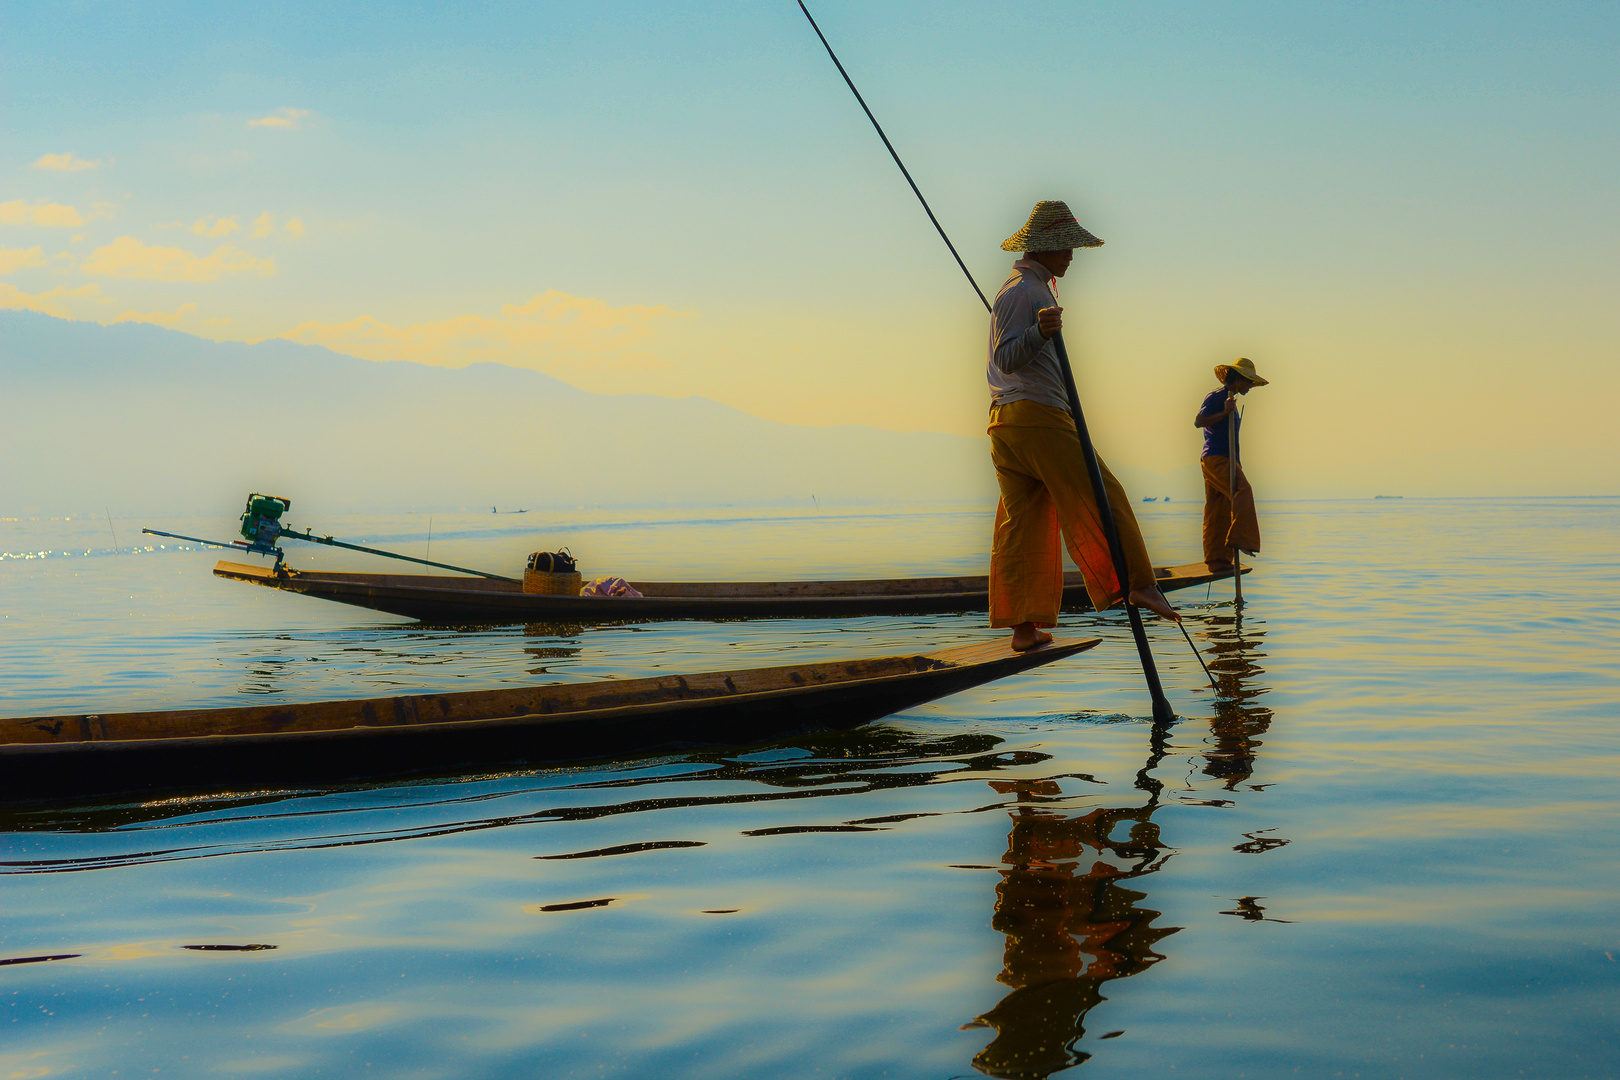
(261, 521)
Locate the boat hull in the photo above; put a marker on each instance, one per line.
(337, 742)
(482, 602)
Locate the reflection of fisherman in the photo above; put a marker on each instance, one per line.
(1239, 719)
(1070, 926)
(1039, 464)
(1229, 520)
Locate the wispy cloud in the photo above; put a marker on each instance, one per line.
(49, 214)
(281, 118)
(550, 331)
(21, 258)
(262, 225)
(127, 257)
(159, 318)
(215, 227)
(68, 162)
(295, 228)
(14, 299)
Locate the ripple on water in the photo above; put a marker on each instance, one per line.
(1386, 845)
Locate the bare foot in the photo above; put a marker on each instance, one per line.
(1026, 637)
(1152, 599)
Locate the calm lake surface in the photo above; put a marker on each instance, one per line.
(1389, 847)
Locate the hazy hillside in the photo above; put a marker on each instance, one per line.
(143, 418)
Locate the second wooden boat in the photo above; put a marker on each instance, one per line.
(450, 600)
(53, 757)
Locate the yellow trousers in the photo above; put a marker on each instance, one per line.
(1229, 521)
(1045, 488)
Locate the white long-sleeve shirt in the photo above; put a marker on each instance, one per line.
(1023, 364)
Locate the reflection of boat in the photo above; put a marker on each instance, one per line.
(487, 601)
(52, 756)
(829, 765)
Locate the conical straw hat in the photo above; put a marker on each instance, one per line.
(1244, 367)
(1051, 228)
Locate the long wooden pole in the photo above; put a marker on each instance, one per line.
(239, 545)
(903, 171)
(1161, 707)
(1162, 712)
(1231, 500)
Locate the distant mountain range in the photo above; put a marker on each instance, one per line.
(152, 420)
(148, 420)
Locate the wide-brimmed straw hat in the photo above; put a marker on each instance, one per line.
(1243, 366)
(1051, 228)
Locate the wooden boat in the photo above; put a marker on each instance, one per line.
(48, 757)
(448, 600)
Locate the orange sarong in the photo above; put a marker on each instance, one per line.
(1045, 487)
(1228, 522)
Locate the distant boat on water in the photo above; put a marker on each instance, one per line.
(502, 602)
(493, 510)
(1151, 498)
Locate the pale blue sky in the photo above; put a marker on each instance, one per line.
(1422, 194)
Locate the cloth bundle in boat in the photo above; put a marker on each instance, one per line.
(551, 573)
(610, 587)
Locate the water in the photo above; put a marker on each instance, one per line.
(1387, 849)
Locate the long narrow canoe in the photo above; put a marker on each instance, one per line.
(448, 600)
(333, 741)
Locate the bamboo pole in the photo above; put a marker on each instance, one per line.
(1231, 500)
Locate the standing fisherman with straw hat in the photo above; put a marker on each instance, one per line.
(1038, 457)
(1230, 523)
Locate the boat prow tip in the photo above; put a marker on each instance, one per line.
(1058, 648)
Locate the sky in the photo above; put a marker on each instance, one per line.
(1407, 215)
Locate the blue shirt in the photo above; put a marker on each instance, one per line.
(1215, 435)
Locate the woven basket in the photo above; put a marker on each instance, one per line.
(548, 584)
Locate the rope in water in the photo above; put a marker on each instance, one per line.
(1194, 648)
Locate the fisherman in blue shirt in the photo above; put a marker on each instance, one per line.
(1229, 519)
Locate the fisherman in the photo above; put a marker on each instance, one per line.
(1036, 451)
(1230, 524)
